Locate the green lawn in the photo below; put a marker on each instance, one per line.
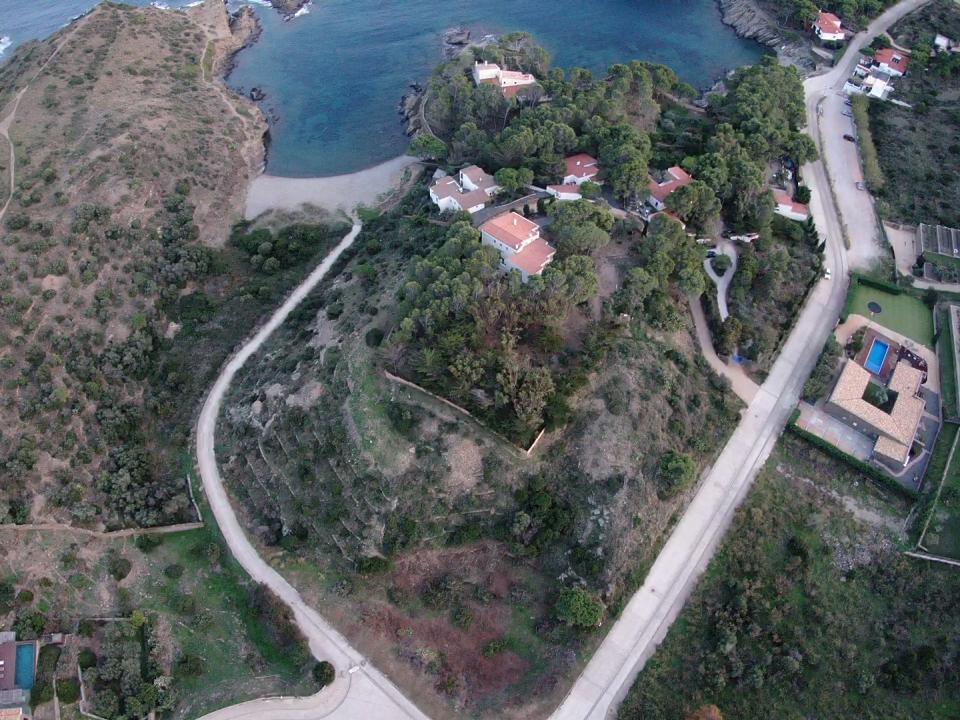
(943, 533)
(948, 372)
(904, 314)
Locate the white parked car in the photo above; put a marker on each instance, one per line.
(827, 274)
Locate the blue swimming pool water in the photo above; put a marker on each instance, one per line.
(23, 677)
(878, 353)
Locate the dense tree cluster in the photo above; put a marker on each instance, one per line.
(801, 13)
(472, 334)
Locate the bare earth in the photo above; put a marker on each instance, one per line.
(339, 192)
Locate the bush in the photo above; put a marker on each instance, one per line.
(372, 565)
(86, 659)
(189, 666)
(374, 337)
(173, 571)
(148, 543)
(68, 690)
(324, 673)
(119, 567)
(868, 151)
(676, 472)
(579, 608)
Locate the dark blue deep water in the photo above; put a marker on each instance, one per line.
(334, 76)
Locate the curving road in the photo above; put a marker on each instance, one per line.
(360, 691)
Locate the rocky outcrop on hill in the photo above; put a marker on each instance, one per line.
(750, 21)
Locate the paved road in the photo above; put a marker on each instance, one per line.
(649, 614)
(363, 694)
(742, 384)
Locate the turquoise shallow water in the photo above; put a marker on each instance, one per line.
(334, 76)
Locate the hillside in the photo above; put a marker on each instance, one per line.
(121, 130)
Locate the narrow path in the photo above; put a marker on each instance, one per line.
(360, 691)
(741, 383)
(104, 534)
(8, 119)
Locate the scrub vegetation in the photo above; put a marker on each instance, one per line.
(811, 609)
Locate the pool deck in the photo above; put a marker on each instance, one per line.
(846, 330)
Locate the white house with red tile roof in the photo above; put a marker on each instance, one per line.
(470, 194)
(673, 179)
(893, 62)
(509, 81)
(580, 168)
(565, 192)
(828, 27)
(519, 243)
(788, 207)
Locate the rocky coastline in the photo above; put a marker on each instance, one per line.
(750, 21)
(289, 8)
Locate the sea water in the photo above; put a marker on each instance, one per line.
(333, 76)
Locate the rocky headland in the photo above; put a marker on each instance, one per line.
(289, 8)
(751, 21)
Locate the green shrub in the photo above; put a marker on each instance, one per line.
(324, 673)
(189, 666)
(173, 571)
(675, 472)
(119, 567)
(579, 608)
(494, 647)
(86, 659)
(374, 337)
(68, 690)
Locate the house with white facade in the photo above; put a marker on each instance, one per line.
(569, 191)
(580, 168)
(892, 62)
(672, 180)
(510, 82)
(519, 243)
(469, 192)
(828, 28)
(788, 207)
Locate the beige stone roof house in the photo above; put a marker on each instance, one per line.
(895, 429)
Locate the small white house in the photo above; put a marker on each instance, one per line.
(788, 208)
(519, 243)
(673, 179)
(471, 194)
(509, 81)
(941, 43)
(580, 168)
(829, 28)
(892, 62)
(565, 192)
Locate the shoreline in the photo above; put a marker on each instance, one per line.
(336, 192)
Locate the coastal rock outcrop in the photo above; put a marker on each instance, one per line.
(750, 21)
(289, 8)
(410, 108)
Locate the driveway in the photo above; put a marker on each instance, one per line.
(824, 426)
(722, 282)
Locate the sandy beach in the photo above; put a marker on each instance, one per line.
(339, 192)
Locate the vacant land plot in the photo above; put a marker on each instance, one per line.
(946, 354)
(903, 313)
(810, 610)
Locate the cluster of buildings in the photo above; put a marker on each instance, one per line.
(510, 82)
(516, 238)
(882, 364)
(873, 76)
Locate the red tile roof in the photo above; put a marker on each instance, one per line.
(534, 257)
(896, 59)
(581, 166)
(676, 178)
(828, 23)
(511, 229)
(782, 197)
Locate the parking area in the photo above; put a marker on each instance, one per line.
(824, 426)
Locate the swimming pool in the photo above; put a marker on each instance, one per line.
(23, 677)
(878, 353)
